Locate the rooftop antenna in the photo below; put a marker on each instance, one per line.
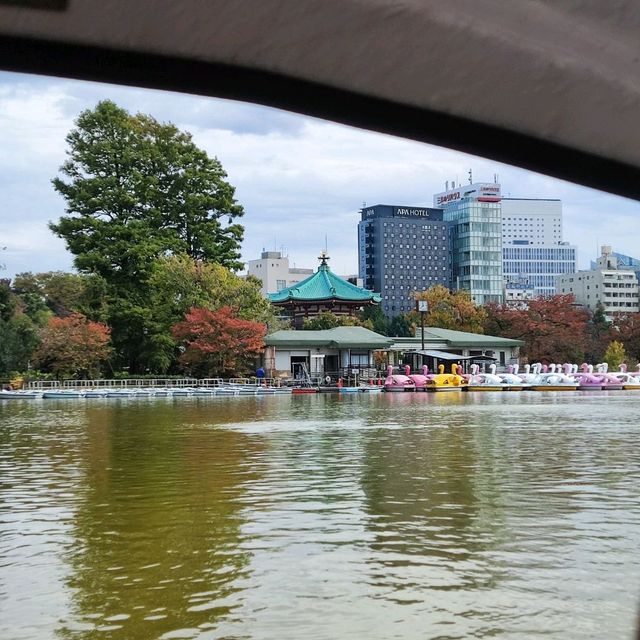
(326, 247)
(470, 177)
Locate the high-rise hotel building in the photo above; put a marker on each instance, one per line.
(402, 250)
(533, 250)
(473, 211)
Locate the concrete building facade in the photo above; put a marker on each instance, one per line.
(474, 213)
(402, 250)
(273, 270)
(611, 284)
(533, 250)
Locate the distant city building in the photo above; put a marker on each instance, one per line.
(474, 214)
(402, 250)
(518, 294)
(533, 251)
(612, 284)
(273, 270)
(624, 262)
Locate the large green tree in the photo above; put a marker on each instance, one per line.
(18, 333)
(60, 293)
(179, 283)
(136, 190)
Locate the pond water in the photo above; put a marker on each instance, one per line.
(355, 516)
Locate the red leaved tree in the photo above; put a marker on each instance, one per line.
(216, 343)
(628, 332)
(73, 347)
(554, 329)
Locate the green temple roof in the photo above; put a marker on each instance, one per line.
(324, 285)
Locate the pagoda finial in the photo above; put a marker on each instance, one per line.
(323, 257)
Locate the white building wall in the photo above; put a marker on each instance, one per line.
(617, 290)
(536, 220)
(273, 270)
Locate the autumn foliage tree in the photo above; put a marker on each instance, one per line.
(73, 347)
(553, 328)
(615, 355)
(451, 310)
(217, 343)
(628, 332)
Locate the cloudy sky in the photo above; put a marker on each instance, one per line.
(298, 178)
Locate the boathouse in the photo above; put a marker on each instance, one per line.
(446, 346)
(323, 291)
(344, 352)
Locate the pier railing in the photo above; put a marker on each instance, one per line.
(133, 383)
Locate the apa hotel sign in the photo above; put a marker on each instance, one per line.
(413, 212)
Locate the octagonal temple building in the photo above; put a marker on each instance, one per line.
(323, 291)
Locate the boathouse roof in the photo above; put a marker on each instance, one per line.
(466, 339)
(337, 338)
(324, 285)
(437, 338)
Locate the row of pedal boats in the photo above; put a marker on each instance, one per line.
(147, 392)
(536, 377)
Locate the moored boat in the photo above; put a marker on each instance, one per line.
(442, 381)
(552, 380)
(19, 394)
(65, 394)
(398, 382)
(483, 381)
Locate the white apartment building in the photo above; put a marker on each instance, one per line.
(273, 270)
(533, 251)
(614, 287)
(536, 220)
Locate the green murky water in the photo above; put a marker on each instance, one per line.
(384, 516)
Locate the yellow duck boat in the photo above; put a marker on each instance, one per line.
(442, 381)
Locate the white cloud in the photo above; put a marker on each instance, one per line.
(299, 179)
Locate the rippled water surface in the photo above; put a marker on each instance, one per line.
(383, 516)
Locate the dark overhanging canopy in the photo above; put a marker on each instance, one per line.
(550, 86)
(440, 355)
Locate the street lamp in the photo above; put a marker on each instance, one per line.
(423, 307)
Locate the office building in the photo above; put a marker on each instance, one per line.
(533, 251)
(624, 262)
(273, 270)
(402, 250)
(612, 284)
(474, 214)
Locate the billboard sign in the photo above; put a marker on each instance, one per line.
(482, 191)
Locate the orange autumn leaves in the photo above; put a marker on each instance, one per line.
(73, 346)
(217, 343)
